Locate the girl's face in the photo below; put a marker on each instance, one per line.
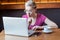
(29, 10)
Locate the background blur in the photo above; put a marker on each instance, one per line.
(15, 8)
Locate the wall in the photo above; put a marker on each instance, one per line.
(19, 4)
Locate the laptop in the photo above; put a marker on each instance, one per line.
(16, 26)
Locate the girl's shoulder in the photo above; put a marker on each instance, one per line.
(24, 16)
(41, 15)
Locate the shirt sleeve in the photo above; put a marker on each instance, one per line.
(43, 17)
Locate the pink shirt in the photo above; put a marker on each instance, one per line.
(39, 20)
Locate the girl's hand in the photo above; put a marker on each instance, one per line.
(37, 27)
(29, 21)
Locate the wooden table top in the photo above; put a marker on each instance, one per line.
(55, 35)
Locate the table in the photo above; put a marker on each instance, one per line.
(53, 36)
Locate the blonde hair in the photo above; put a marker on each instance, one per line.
(30, 3)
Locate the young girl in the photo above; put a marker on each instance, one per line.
(36, 19)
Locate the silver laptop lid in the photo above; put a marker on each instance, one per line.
(15, 26)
